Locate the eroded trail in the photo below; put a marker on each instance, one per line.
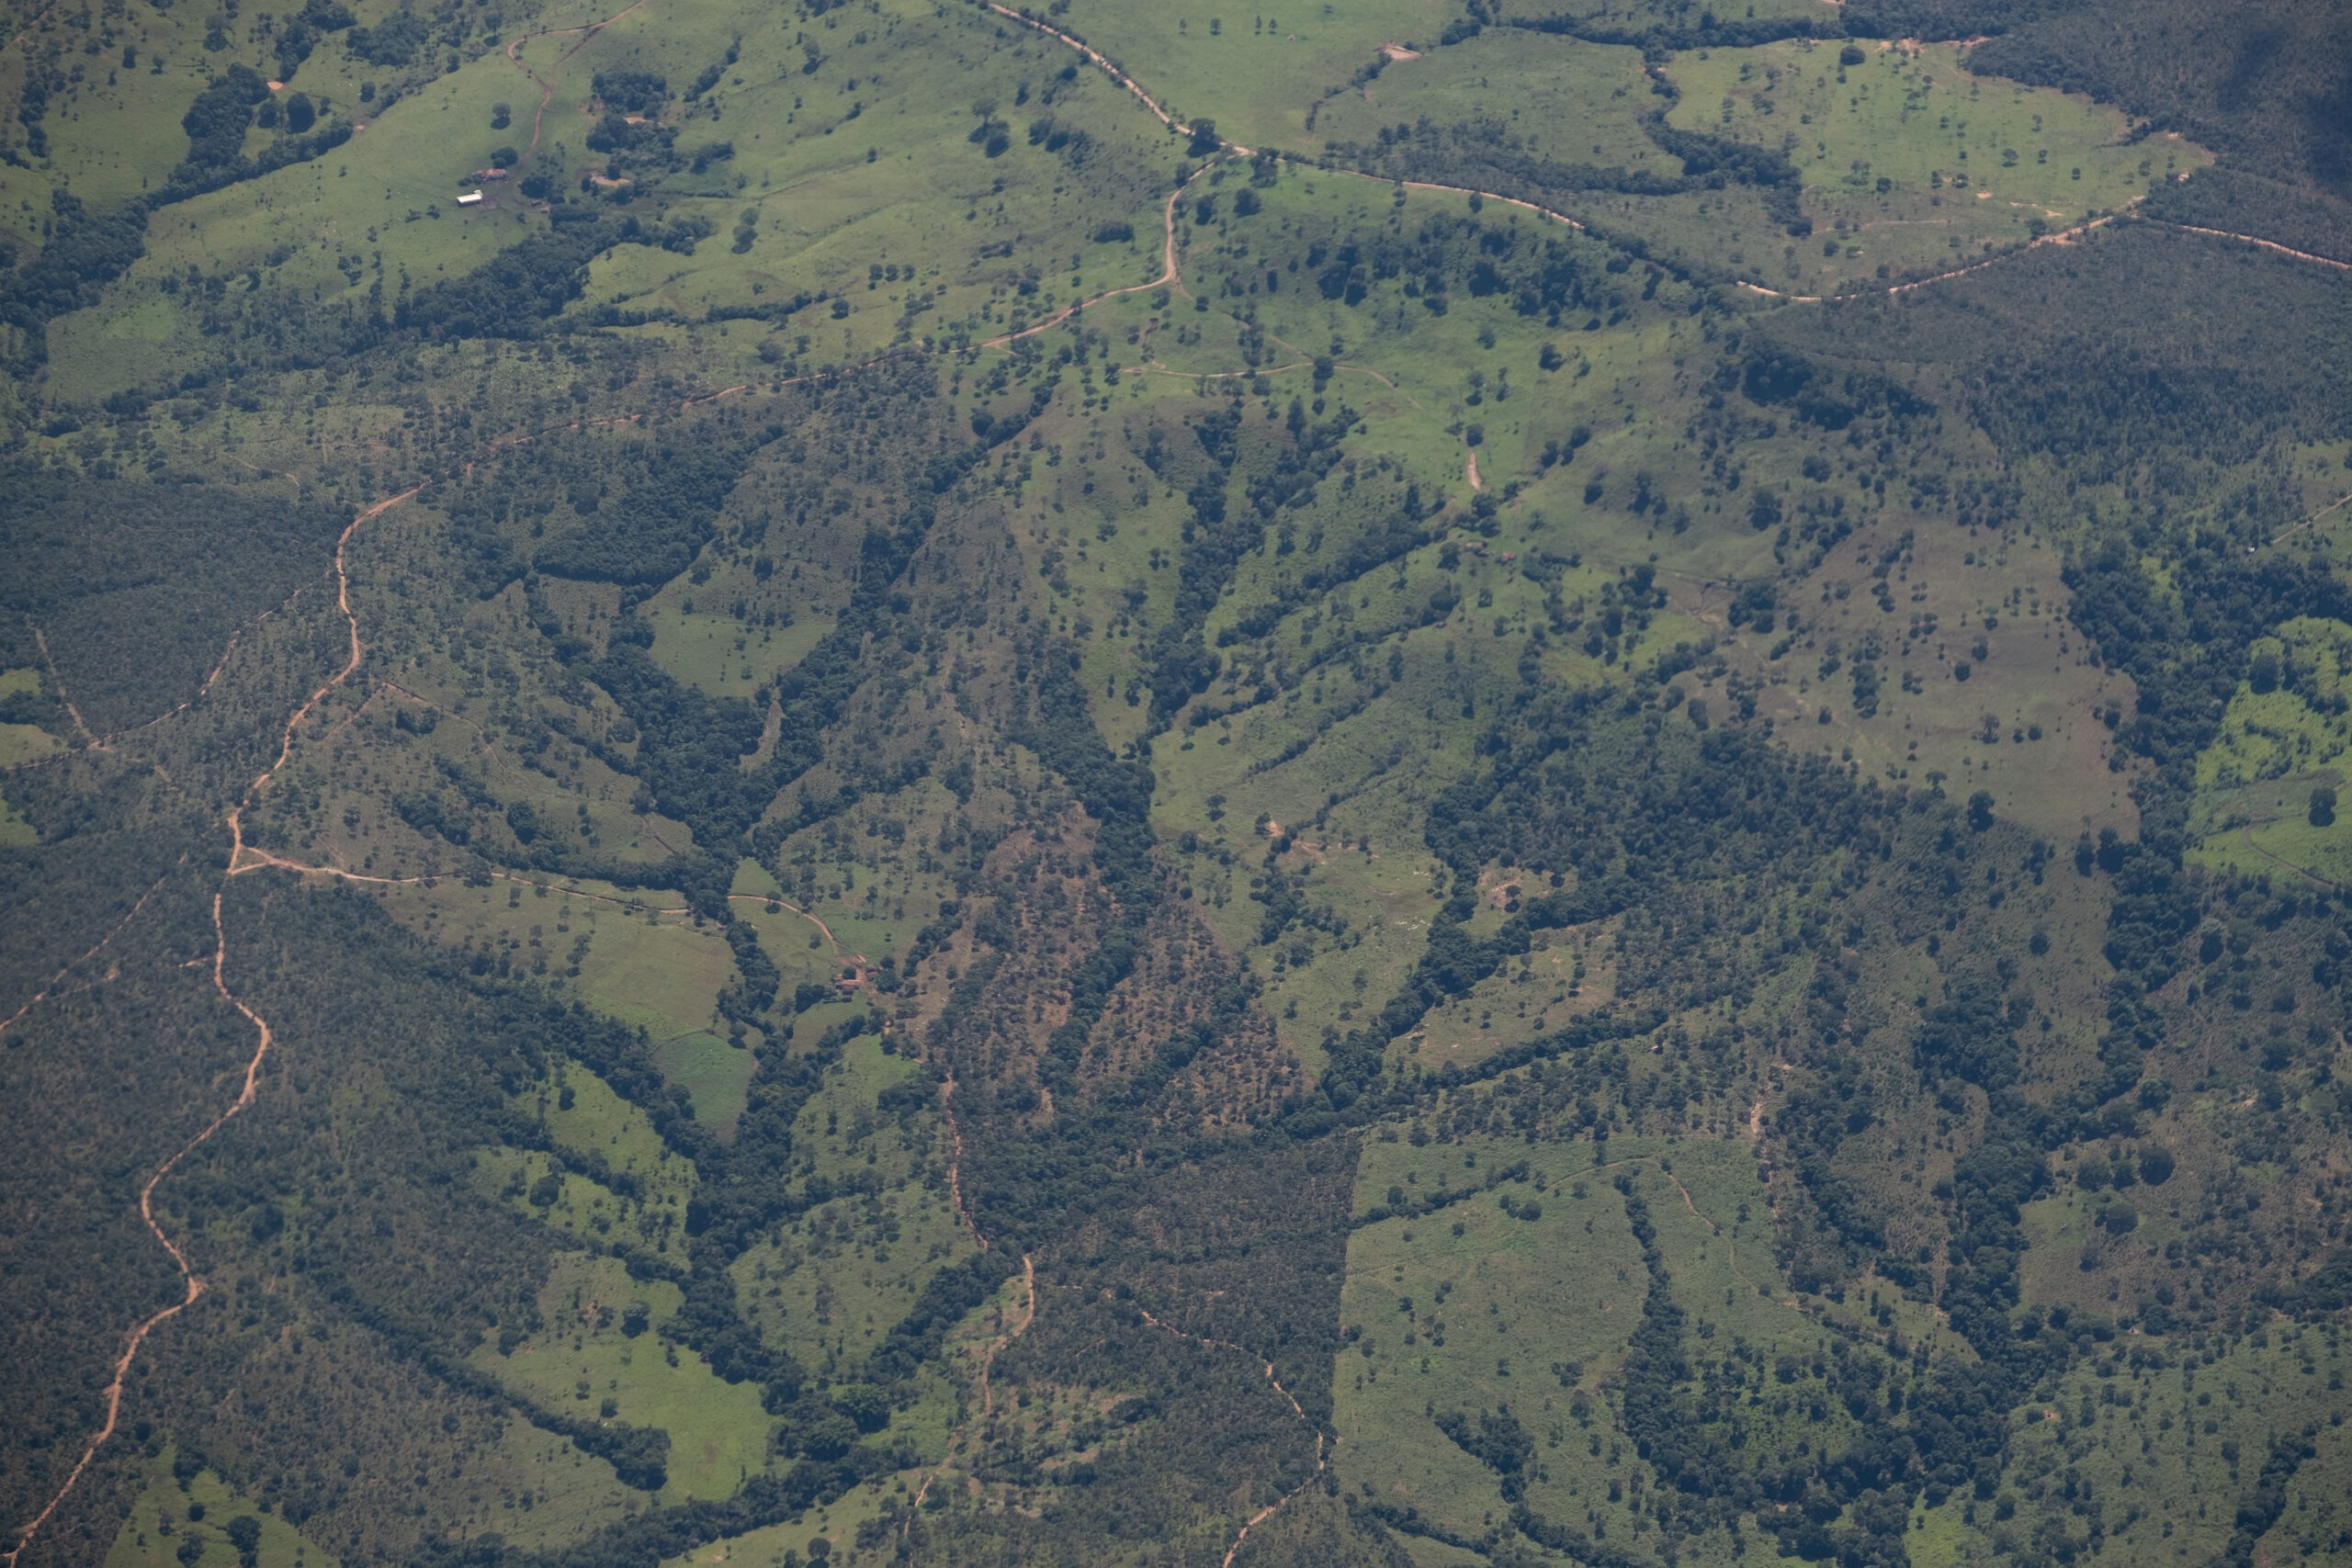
(2063, 237)
(547, 88)
(999, 1343)
(1169, 276)
(334, 682)
(1322, 1439)
(192, 1283)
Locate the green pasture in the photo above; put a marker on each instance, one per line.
(1257, 76)
(850, 168)
(642, 960)
(599, 1119)
(833, 1282)
(1476, 1308)
(2282, 743)
(835, 1524)
(714, 1074)
(26, 743)
(166, 1518)
(1545, 991)
(1909, 162)
(550, 1493)
(584, 1361)
(2172, 1449)
(718, 654)
(1568, 101)
(2016, 723)
(602, 1124)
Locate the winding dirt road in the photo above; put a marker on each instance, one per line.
(1322, 1441)
(247, 858)
(547, 88)
(193, 1282)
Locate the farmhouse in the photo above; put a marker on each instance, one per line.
(471, 199)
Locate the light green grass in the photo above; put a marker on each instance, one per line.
(831, 1284)
(1930, 726)
(656, 971)
(553, 1494)
(712, 1072)
(2202, 1431)
(1569, 102)
(824, 214)
(1256, 83)
(23, 742)
(1912, 117)
(718, 1434)
(835, 1524)
(2254, 783)
(599, 1122)
(716, 653)
(157, 1527)
(1537, 1313)
(666, 977)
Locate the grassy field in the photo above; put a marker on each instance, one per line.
(800, 1290)
(713, 1072)
(2016, 723)
(836, 1525)
(1343, 759)
(1257, 80)
(169, 1517)
(2204, 1416)
(2280, 742)
(1554, 456)
(1567, 100)
(1922, 166)
(824, 213)
(834, 1282)
(1474, 1307)
(598, 1122)
(584, 1360)
(716, 654)
(638, 962)
(1528, 1309)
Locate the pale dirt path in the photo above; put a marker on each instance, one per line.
(2304, 872)
(998, 1343)
(2313, 519)
(2266, 245)
(38, 17)
(101, 742)
(2063, 237)
(46, 991)
(59, 682)
(1121, 78)
(988, 1354)
(244, 858)
(1322, 1441)
(192, 1283)
(547, 88)
(350, 668)
(1169, 275)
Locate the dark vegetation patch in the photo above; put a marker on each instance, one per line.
(137, 587)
